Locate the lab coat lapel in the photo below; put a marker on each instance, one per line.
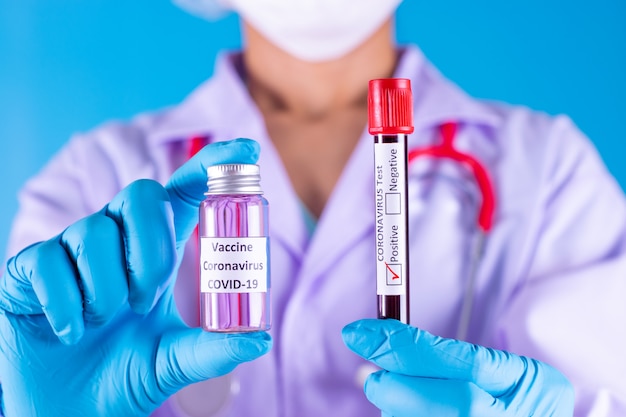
(347, 217)
(286, 225)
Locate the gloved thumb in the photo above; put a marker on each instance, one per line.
(187, 184)
(192, 355)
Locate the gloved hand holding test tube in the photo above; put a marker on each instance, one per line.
(422, 374)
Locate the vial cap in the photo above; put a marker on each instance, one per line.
(234, 179)
(390, 106)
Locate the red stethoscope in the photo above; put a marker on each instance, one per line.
(445, 150)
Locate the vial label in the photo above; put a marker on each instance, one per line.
(233, 264)
(391, 233)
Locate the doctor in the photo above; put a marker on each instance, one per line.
(92, 317)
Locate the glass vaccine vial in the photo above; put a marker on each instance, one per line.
(234, 251)
(390, 108)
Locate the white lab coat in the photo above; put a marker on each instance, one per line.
(551, 283)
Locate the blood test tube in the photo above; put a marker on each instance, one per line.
(390, 108)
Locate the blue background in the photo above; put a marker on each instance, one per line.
(68, 65)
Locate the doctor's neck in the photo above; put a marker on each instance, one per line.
(279, 82)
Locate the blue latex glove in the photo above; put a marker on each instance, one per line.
(426, 375)
(88, 323)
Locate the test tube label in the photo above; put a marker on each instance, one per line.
(391, 233)
(233, 264)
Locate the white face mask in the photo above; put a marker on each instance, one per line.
(311, 30)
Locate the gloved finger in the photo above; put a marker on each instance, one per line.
(187, 185)
(409, 396)
(95, 245)
(193, 355)
(42, 279)
(143, 212)
(403, 349)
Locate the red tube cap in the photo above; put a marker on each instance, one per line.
(390, 106)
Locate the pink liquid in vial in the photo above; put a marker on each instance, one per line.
(243, 215)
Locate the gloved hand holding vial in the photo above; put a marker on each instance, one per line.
(88, 319)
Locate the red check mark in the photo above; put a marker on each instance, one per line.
(395, 276)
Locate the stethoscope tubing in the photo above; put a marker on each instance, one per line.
(484, 222)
